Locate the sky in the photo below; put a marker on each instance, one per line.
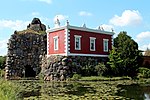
(132, 16)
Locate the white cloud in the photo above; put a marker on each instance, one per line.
(3, 47)
(46, 1)
(107, 27)
(84, 13)
(143, 36)
(14, 25)
(144, 47)
(60, 17)
(3, 43)
(128, 17)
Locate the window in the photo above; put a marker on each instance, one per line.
(92, 43)
(77, 42)
(105, 45)
(55, 43)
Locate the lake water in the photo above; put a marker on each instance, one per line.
(103, 90)
(134, 91)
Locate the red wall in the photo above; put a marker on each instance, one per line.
(61, 42)
(146, 61)
(85, 42)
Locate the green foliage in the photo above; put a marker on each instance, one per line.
(30, 31)
(2, 73)
(41, 76)
(93, 68)
(100, 69)
(76, 77)
(87, 70)
(2, 61)
(8, 90)
(88, 67)
(124, 57)
(144, 72)
(42, 32)
(115, 61)
(100, 78)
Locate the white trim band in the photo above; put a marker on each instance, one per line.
(95, 55)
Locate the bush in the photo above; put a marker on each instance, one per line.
(2, 73)
(88, 70)
(100, 69)
(76, 77)
(2, 61)
(144, 72)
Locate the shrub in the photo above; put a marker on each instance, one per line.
(100, 69)
(88, 70)
(144, 72)
(76, 77)
(2, 61)
(2, 73)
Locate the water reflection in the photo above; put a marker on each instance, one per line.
(135, 91)
(61, 88)
(147, 96)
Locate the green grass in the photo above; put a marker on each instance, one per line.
(100, 78)
(30, 31)
(8, 90)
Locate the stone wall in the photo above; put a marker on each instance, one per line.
(62, 67)
(25, 52)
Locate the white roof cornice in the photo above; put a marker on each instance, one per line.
(80, 29)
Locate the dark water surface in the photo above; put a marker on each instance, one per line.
(135, 91)
(83, 90)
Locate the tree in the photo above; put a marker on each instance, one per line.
(2, 61)
(124, 57)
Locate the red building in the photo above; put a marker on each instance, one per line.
(78, 41)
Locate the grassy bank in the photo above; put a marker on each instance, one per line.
(99, 78)
(8, 90)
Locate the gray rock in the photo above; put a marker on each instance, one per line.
(62, 78)
(23, 51)
(47, 72)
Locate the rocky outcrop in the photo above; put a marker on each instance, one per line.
(25, 51)
(36, 25)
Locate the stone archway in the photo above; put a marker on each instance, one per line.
(29, 72)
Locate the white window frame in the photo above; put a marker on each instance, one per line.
(92, 39)
(78, 37)
(105, 45)
(55, 42)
